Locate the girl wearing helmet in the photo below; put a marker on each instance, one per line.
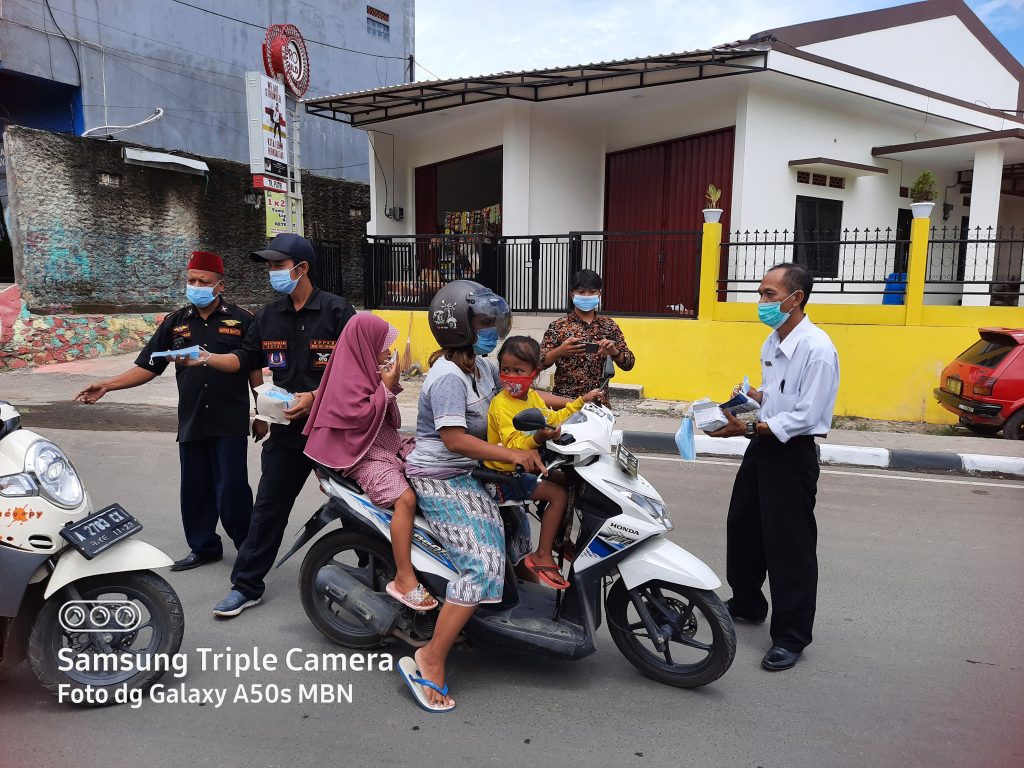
(467, 321)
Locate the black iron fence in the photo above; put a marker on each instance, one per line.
(645, 273)
(330, 266)
(985, 261)
(848, 261)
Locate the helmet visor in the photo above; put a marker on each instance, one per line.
(486, 303)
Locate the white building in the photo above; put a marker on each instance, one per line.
(819, 128)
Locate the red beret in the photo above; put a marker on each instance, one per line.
(205, 260)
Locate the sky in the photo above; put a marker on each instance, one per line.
(458, 38)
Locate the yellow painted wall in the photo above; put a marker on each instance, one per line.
(888, 371)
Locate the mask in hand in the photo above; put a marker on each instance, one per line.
(684, 440)
(486, 341)
(586, 303)
(517, 386)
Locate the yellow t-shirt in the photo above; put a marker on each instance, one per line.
(500, 430)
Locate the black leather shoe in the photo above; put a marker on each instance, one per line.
(192, 560)
(778, 658)
(742, 617)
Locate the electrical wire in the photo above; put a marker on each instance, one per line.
(308, 40)
(384, 176)
(112, 129)
(335, 167)
(78, 65)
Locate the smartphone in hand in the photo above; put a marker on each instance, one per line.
(591, 348)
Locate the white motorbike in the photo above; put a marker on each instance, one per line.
(77, 595)
(661, 609)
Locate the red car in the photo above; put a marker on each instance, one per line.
(984, 386)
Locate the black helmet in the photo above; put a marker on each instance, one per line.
(454, 307)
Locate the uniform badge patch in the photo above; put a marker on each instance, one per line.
(274, 345)
(230, 331)
(180, 329)
(276, 360)
(322, 344)
(320, 359)
(231, 323)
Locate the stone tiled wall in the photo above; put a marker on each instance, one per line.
(93, 234)
(30, 340)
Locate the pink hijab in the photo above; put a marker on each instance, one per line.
(352, 402)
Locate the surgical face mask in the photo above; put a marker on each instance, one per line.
(281, 280)
(685, 443)
(586, 303)
(770, 312)
(201, 295)
(517, 386)
(486, 341)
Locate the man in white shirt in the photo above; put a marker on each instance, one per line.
(771, 529)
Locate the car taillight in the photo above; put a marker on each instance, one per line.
(983, 386)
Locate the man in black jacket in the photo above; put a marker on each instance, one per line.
(294, 336)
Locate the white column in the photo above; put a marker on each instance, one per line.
(515, 163)
(986, 183)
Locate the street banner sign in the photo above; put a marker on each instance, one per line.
(268, 126)
(260, 181)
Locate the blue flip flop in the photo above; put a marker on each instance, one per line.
(410, 673)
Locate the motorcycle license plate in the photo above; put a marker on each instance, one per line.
(100, 531)
(630, 464)
(956, 386)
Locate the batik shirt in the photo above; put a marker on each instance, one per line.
(578, 374)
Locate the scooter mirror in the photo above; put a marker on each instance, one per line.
(529, 420)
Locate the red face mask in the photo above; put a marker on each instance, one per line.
(516, 385)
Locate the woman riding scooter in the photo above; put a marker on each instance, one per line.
(467, 321)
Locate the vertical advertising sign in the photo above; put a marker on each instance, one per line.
(268, 126)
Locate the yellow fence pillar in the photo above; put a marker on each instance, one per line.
(710, 257)
(918, 263)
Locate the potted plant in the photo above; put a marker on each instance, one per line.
(713, 213)
(922, 195)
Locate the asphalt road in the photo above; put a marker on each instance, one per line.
(918, 657)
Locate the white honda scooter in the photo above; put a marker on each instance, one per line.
(77, 595)
(662, 611)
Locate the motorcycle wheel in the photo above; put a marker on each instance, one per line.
(367, 559)
(161, 627)
(701, 638)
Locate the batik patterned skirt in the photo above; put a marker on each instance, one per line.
(468, 524)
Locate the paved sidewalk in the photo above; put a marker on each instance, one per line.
(55, 385)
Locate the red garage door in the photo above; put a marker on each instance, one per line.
(660, 189)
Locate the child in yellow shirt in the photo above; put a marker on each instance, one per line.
(519, 363)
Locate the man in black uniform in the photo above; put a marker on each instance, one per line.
(293, 336)
(213, 411)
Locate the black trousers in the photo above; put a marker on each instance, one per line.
(214, 486)
(771, 531)
(285, 469)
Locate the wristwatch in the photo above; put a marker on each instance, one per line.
(751, 430)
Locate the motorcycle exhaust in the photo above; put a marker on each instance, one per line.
(375, 609)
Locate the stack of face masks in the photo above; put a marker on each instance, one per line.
(189, 353)
(685, 442)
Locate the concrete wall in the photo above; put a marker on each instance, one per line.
(83, 245)
(135, 56)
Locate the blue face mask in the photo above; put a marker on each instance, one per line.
(770, 313)
(684, 440)
(281, 280)
(586, 303)
(200, 295)
(486, 341)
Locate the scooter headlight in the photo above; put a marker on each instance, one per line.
(58, 481)
(654, 507)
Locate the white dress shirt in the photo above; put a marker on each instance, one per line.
(799, 382)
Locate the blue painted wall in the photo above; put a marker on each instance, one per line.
(135, 56)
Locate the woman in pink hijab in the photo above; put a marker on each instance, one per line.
(353, 427)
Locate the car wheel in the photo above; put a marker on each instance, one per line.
(1013, 429)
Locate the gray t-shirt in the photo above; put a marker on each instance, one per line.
(451, 398)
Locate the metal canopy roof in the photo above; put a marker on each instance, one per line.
(363, 108)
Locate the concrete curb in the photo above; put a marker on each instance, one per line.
(842, 455)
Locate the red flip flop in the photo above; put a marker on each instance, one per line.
(542, 572)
